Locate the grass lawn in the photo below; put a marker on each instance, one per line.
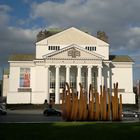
(70, 131)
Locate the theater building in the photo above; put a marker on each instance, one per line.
(71, 56)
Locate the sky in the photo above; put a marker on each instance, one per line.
(21, 20)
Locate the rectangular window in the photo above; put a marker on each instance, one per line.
(90, 48)
(73, 81)
(24, 77)
(52, 79)
(53, 47)
(52, 84)
(62, 78)
(62, 84)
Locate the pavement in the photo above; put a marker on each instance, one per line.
(36, 116)
(28, 116)
(25, 111)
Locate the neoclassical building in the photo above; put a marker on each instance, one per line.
(71, 56)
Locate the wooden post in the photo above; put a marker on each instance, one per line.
(100, 107)
(120, 108)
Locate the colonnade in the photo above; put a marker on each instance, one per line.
(68, 67)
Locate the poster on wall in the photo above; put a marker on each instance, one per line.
(24, 77)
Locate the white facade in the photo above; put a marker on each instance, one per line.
(5, 85)
(69, 56)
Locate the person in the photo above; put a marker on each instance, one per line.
(26, 79)
(46, 105)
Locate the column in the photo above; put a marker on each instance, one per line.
(99, 77)
(110, 80)
(57, 84)
(89, 81)
(68, 74)
(78, 79)
(47, 84)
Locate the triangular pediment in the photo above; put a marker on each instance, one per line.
(72, 36)
(73, 52)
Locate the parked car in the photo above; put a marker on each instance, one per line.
(51, 112)
(130, 113)
(3, 109)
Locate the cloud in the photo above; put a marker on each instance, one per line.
(14, 39)
(4, 8)
(119, 19)
(17, 40)
(114, 17)
(134, 35)
(4, 17)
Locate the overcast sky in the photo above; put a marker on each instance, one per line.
(21, 20)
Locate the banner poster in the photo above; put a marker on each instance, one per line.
(24, 77)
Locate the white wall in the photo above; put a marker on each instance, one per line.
(69, 37)
(19, 98)
(40, 78)
(103, 50)
(41, 50)
(122, 73)
(38, 97)
(128, 98)
(14, 79)
(5, 85)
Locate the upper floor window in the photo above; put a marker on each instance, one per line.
(53, 47)
(90, 48)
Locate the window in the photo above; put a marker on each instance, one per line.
(94, 80)
(62, 78)
(52, 84)
(53, 47)
(73, 81)
(24, 77)
(62, 84)
(90, 48)
(84, 79)
(52, 80)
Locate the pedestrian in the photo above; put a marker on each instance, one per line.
(46, 105)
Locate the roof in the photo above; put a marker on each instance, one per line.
(22, 57)
(52, 31)
(31, 57)
(72, 36)
(120, 58)
(6, 71)
(47, 33)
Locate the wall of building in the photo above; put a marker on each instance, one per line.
(128, 98)
(42, 50)
(37, 84)
(122, 73)
(69, 37)
(103, 50)
(5, 85)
